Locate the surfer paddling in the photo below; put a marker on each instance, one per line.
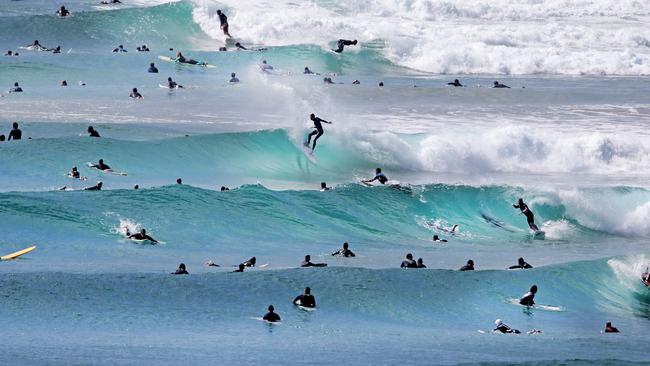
(379, 176)
(319, 130)
(528, 213)
(142, 235)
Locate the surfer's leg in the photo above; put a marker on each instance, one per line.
(309, 137)
(320, 133)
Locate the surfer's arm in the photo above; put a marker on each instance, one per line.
(295, 301)
(151, 239)
(337, 252)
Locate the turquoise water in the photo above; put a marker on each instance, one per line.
(570, 138)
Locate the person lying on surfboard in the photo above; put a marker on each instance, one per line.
(378, 176)
(500, 327)
(528, 213)
(319, 130)
(142, 235)
(342, 43)
(182, 59)
(36, 46)
(307, 263)
(521, 264)
(251, 262)
(96, 187)
(101, 166)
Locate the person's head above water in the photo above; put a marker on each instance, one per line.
(533, 289)
(16, 83)
(323, 185)
(135, 90)
(521, 261)
(36, 42)
(307, 291)
(271, 308)
(179, 181)
(152, 65)
(345, 245)
(181, 266)
(169, 78)
(232, 75)
(307, 258)
(219, 11)
(498, 322)
(15, 125)
(496, 83)
(435, 238)
(409, 256)
(378, 170)
(143, 231)
(470, 262)
(264, 62)
(101, 161)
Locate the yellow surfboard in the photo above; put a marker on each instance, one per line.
(17, 254)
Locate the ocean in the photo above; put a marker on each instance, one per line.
(569, 136)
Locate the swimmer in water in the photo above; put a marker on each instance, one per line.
(420, 263)
(135, 94)
(171, 84)
(96, 187)
(223, 19)
(498, 85)
(306, 299)
(265, 67)
(142, 235)
(521, 264)
(119, 48)
(324, 187)
(342, 43)
(16, 88)
(92, 132)
(181, 270)
(64, 83)
(271, 316)
(319, 130)
(344, 252)
(500, 327)
(74, 173)
(456, 83)
(307, 263)
(15, 133)
(609, 328)
(438, 240)
(530, 217)
(529, 297)
(36, 46)
(62, 12)
(468, 267)
(379, 176)
(307, 71)
(233, 78)
(152, 68)
(409, 262)
(101, 166)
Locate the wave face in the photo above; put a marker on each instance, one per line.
(459, 37)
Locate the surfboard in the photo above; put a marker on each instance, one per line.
(266, 321)
(17, 254)
(539, 235)
(90, 165)
(537, 306)
(309, 154)
(169, 59)
(303, 308)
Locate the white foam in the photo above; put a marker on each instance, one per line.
(454, 37)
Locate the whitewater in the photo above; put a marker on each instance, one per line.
(569, 136)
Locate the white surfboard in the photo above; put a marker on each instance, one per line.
(309, 154)
(539, 235)
(536, 306)
(169, 59)
(110, 171)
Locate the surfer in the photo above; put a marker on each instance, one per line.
(96, 187)
(528, 213)
(468, 267)
(500, 327)
(324, 187)
(265, 67)
(74, 173)
(437, 239)
(223, 19)
(181, 270)
(420, 263)
(224, 188)
(62, 12)
(210, 263)
(498, 85)
(101, 166)
(135, 94)
(15, 133)
(319, 130)
(16, 88)
(152, 68)
(521, 264)
(109, 2)
(344, 252)
(378, 176)
(143, 48)
(529, 297)
(119, 48)
(92, 132)
(609, 328)
(233, 78)
(240, 47)
(36, 46)
(645, 277)
(240, 268)
(306, 72)
(305, 299)
(251, 262)
(456, 83)
(56, 49)
(142, 235)
(182, 59)
(179, 181)
(271, 316)
(2, 138)
(307, 263)
(64, 83)
(409, 262)
(342, 43)
(171, 84)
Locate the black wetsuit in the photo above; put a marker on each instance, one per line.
(94, 133)
(506, 329)
(342, 43)
(153, 70)
(306, 300)
(310, 264)
(455, 83)
(528, 299)
(181, 271)
(529, 215)
(319, 131)
(94, 188)
(521, 266)
(271, 317)
(409, 263)
(467, 267)
(344, 253)
(15, 134)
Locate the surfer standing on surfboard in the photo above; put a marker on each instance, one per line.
(319, 130)
(528, 213)
(223, 19)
